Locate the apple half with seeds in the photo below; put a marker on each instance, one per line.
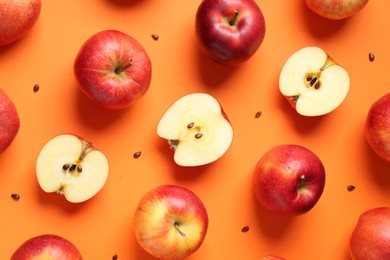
(71, 166)
(313, 82)
(197, 128)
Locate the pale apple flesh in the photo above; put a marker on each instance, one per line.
(9, 121)
(72, 167)
(313, 83)
(170, 222)
(336, 9)
(197, 129)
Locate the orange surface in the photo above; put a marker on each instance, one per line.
(102, 226)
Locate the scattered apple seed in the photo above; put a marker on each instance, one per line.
(36, 88)
(350, 187)
(137, 154)
(114, 257)
(371, 56)
(245, 229)
(155, 37)
(258, 114)
(15, 196)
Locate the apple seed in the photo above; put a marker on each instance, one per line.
(198, 135)
(190, 125)
(155, 37)
(137, 155)
(15, 196)
(65, 167)
(371, 56)
(36, 88)
(350, 187)
(245, 229)
(258, 114)
(313, 81)
(114, 257)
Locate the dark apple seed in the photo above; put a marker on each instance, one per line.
(155, 37)
(137, 155)
(371, 56)
(36, 88)
(15, 196)
(198, 135)
(65, 167)
(190, 125)
(114, 257)
(245, 229)
(79, 168)
(350, 187)
(72, 167)
(258, 114)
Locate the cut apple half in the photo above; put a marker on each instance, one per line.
(313, 82)
(71, 166)
(197, 128)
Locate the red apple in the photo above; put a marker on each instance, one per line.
(289, 179)
(229, 31)
(17, 18)
(9, 121)
(47, 246)
(377, 129)
(272, 257)
(113, 69)
(336, 9)
(170, 222)
(370, 238)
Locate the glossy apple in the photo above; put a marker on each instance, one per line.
(71, 166)
(377, 128)
(17, 18)
(336, 9)
(113, 69)
(170, 222)
(312, 82)
(197, 128)
(9, 121)
(229, 31)
(289, 179)
(370, 238)
(47, 246)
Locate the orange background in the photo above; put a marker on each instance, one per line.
(102, 226)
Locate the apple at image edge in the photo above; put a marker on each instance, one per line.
(71, 166)
(113, 69)
(9, 121)
(197, 129)
(336, 9)
(170, 222)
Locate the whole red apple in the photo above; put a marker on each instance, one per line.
(47, 246)
(377, 129)
(17, 18)
(9, 121)
(336, 9)
(229, 31)
(289, 179)
(113, 69)
(370, 239)
(170, 222)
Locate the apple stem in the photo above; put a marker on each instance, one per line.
(121, 69)
(301, 181)
(87, 146)
(178, 230)
(234, 19)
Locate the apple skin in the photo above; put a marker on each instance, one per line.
(47, 246)
(17, 18)
(370, 239)
(272, 257)
(9, 121)
(377, 129)
(113, 69)
(336, 9)
(170, 222)
(289, 179)
(225, 43)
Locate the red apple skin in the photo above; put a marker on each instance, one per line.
(47, 246)
(17, 18)
(153, 227)
(225, 43)
(289, 179)
(336, 9)
(377, 130)
(9, 121)
(113, 69)
(272, 257)
(370, 239)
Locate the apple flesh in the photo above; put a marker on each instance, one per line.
(113, 69)
(17, 18)
(313, 83)
(47, 246)
(289, 179)
(229, 31)
(377, 129)
(370, 239)
(336, 9)
(71, 166)
(9, 121)
(197, 128)
(170, 222)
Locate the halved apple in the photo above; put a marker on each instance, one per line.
(197, 128)
(71, 166)
(313, 82)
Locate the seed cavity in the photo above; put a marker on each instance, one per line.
(313, 81)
